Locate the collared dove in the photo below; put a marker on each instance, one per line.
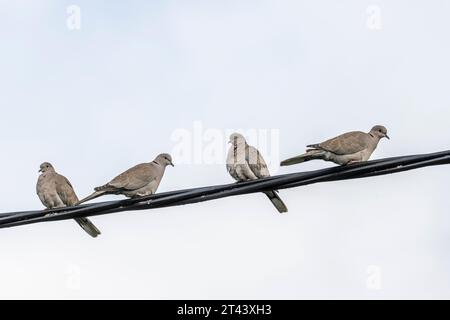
(55, 191)
(245, 163)
(139, 181)
(351, 147)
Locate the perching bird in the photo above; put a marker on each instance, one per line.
(55, 191)
(351, 147)
(245, 163)
(139, 181)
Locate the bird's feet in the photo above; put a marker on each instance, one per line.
(51, 214)
(353, 162)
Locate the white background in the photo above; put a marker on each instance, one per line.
(98, 100)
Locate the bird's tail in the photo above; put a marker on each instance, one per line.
(309, 155)
(94, 195)
(276, 201)
(88, 226)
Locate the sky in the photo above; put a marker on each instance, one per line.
(95, 87)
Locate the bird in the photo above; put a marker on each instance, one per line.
(138, 181)
(245, 163)
(348, 148)
(55, 191)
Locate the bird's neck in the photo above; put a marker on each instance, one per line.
(375, 138)
(48, 172)
(159, 165)
(239, 152)
(240, 145)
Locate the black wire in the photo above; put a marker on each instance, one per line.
(195, 195)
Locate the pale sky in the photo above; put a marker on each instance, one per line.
(97, 100)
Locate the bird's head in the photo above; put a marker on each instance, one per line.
(165, 159)
(379, 132)
(46, 166)
(236, 138)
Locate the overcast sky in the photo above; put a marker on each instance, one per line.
(143, 77)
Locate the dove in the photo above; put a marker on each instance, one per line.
(351, 147)
(55, 191)
(138, 181)
(246, 163)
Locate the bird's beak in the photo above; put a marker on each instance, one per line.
(171, 163)
(40, 170)
(387, 137)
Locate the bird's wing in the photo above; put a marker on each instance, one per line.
(256, 162)
(65, 190)
(136, 177)
(348, 143)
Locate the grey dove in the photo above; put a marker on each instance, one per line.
(245, 163)
(138, 181)
(55, 191)
(351, 147)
